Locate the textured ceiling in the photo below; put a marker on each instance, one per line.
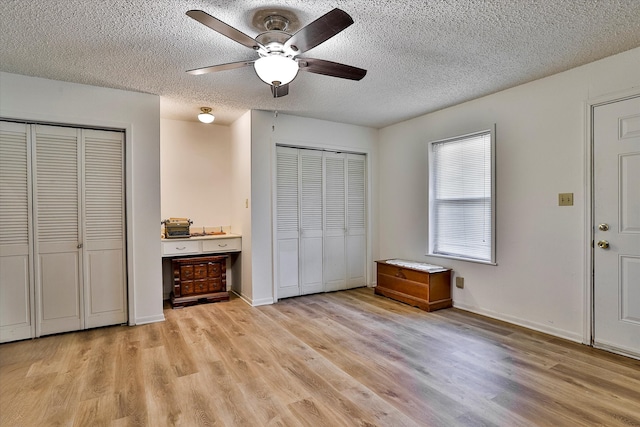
(421, 56)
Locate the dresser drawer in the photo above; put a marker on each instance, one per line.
(233, 244)
(216, 285)
(187, 272)
(180, 247)
(200, 286)
(187, 287)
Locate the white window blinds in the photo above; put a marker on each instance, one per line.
(462, 198)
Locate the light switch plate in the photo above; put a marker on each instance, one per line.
(565, 199)
(460, 282)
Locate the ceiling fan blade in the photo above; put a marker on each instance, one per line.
(333, 69)
(221, 67)
(280, 91)
(319, 30)
(223, 28)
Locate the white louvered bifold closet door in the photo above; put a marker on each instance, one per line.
(62, 230)
(356, 221)
(57, 234)
(104, 241)
(16, 277)
(311, 233)
(321, 217)
(287, 228)
(335, 263)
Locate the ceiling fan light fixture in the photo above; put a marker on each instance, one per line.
(276, 69)
(206, 116)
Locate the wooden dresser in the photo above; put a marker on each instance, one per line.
(419, 287)
(199, 279)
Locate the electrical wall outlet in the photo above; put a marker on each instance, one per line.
(565, 199)
(460, 282)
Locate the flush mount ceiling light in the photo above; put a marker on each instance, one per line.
(276, 70)
(206, 116)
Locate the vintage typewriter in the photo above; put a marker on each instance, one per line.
(176, 228)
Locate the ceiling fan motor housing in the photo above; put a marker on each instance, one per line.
(276, 22)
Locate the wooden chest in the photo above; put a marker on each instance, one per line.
(425, 290)
(199, 279)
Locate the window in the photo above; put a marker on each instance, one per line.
(462, 197)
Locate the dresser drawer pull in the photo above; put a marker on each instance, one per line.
(181, 248)
(222, 246)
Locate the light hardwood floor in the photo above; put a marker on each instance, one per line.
(338, 359)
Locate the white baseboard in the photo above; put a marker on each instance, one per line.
(560, 333)
(149, 319)
(263, 301)
(254, 303)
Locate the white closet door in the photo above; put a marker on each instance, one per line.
(57, 235)
(104, 241)
(16, 303)
(311, 241)
(356, 221)
(287, 254)
(335, 265)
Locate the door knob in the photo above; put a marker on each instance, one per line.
(603, 227)
(79, 245)
(603, 244)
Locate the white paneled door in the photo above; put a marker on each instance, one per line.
(62, 235)
(616, 173)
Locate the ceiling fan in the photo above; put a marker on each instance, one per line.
(278, 62)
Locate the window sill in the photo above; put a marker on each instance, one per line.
(459, 258)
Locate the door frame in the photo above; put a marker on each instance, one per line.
(589, 200)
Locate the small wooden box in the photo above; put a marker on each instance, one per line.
(422, 289)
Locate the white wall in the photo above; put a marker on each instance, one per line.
(240, 202)
(35, 99)
(267, 131)
(195, 167)
(539, 281)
